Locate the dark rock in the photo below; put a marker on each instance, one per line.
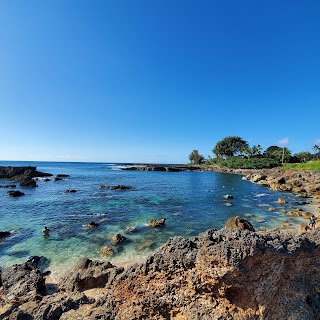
(88, 274)
(71, 191)
(228, 196)
(62, 175)
(28, 183)
(19, 173)
(22, 280)
(92, 225)
(4, 234)
(9, 186)
(156, 223)
(238, 223)
(15, 193)
(117, 187)
(57, 179)
(118, 238)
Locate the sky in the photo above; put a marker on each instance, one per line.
(149, 81)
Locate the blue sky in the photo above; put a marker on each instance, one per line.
(149, 81)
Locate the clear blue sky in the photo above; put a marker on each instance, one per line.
(149, 81)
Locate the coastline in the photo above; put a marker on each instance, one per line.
(302, 184)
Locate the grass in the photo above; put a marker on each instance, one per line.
(311, 165)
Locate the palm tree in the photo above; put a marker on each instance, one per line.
(316, 150)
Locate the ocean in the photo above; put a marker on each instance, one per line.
(191, 202)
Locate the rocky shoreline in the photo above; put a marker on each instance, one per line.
(232, 273)
(220, 274)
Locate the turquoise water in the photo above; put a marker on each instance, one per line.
(192, 202)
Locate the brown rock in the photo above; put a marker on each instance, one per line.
(156, 223)
(238, 223)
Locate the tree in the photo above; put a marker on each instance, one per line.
(230, 147)
(278, 153)
(316, 150)
(256, 150)
(302, 156)
(195, 157)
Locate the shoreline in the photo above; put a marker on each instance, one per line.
(91, 286)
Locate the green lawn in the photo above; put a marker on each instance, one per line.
(311, 165)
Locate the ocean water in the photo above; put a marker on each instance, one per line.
(191, 202)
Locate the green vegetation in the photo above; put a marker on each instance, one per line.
(311, 165)
(230, 146)
(234, 152)
(195, 157)
(243, 163)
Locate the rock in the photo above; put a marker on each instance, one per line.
(219, 274)
(272, 209)
(21, 173)
(238, 223)
(23, 280)
(92, 225)
(106, 250)
(88, 274)
(4, 234)
(156, 223)
(294, 213)
(117, 187)
(146, 244)
(228, 196)
(62, 175)
(9, 186)
(282, 201)
(15, 193)
(28, 183)
(283, 210)
(306, 214)
(58, 179)
(71, 191)
(304, 227)
(118, 238)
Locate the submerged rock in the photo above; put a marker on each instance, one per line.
(156, 223)
(4, 234)
(15, 193)
(118, 238)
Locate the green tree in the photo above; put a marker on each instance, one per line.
(195, 157)
(277, 153)
(316, 150)
(302, 156)
(230, 146)
(256, 150)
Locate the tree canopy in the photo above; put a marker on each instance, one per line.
(230, 146)
(277, 153)
(195, 157)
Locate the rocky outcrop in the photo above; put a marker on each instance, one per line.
(23, 282)
(24, 175)
(238, 223)
(88, 274)
(220, 274)
(286, 180)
